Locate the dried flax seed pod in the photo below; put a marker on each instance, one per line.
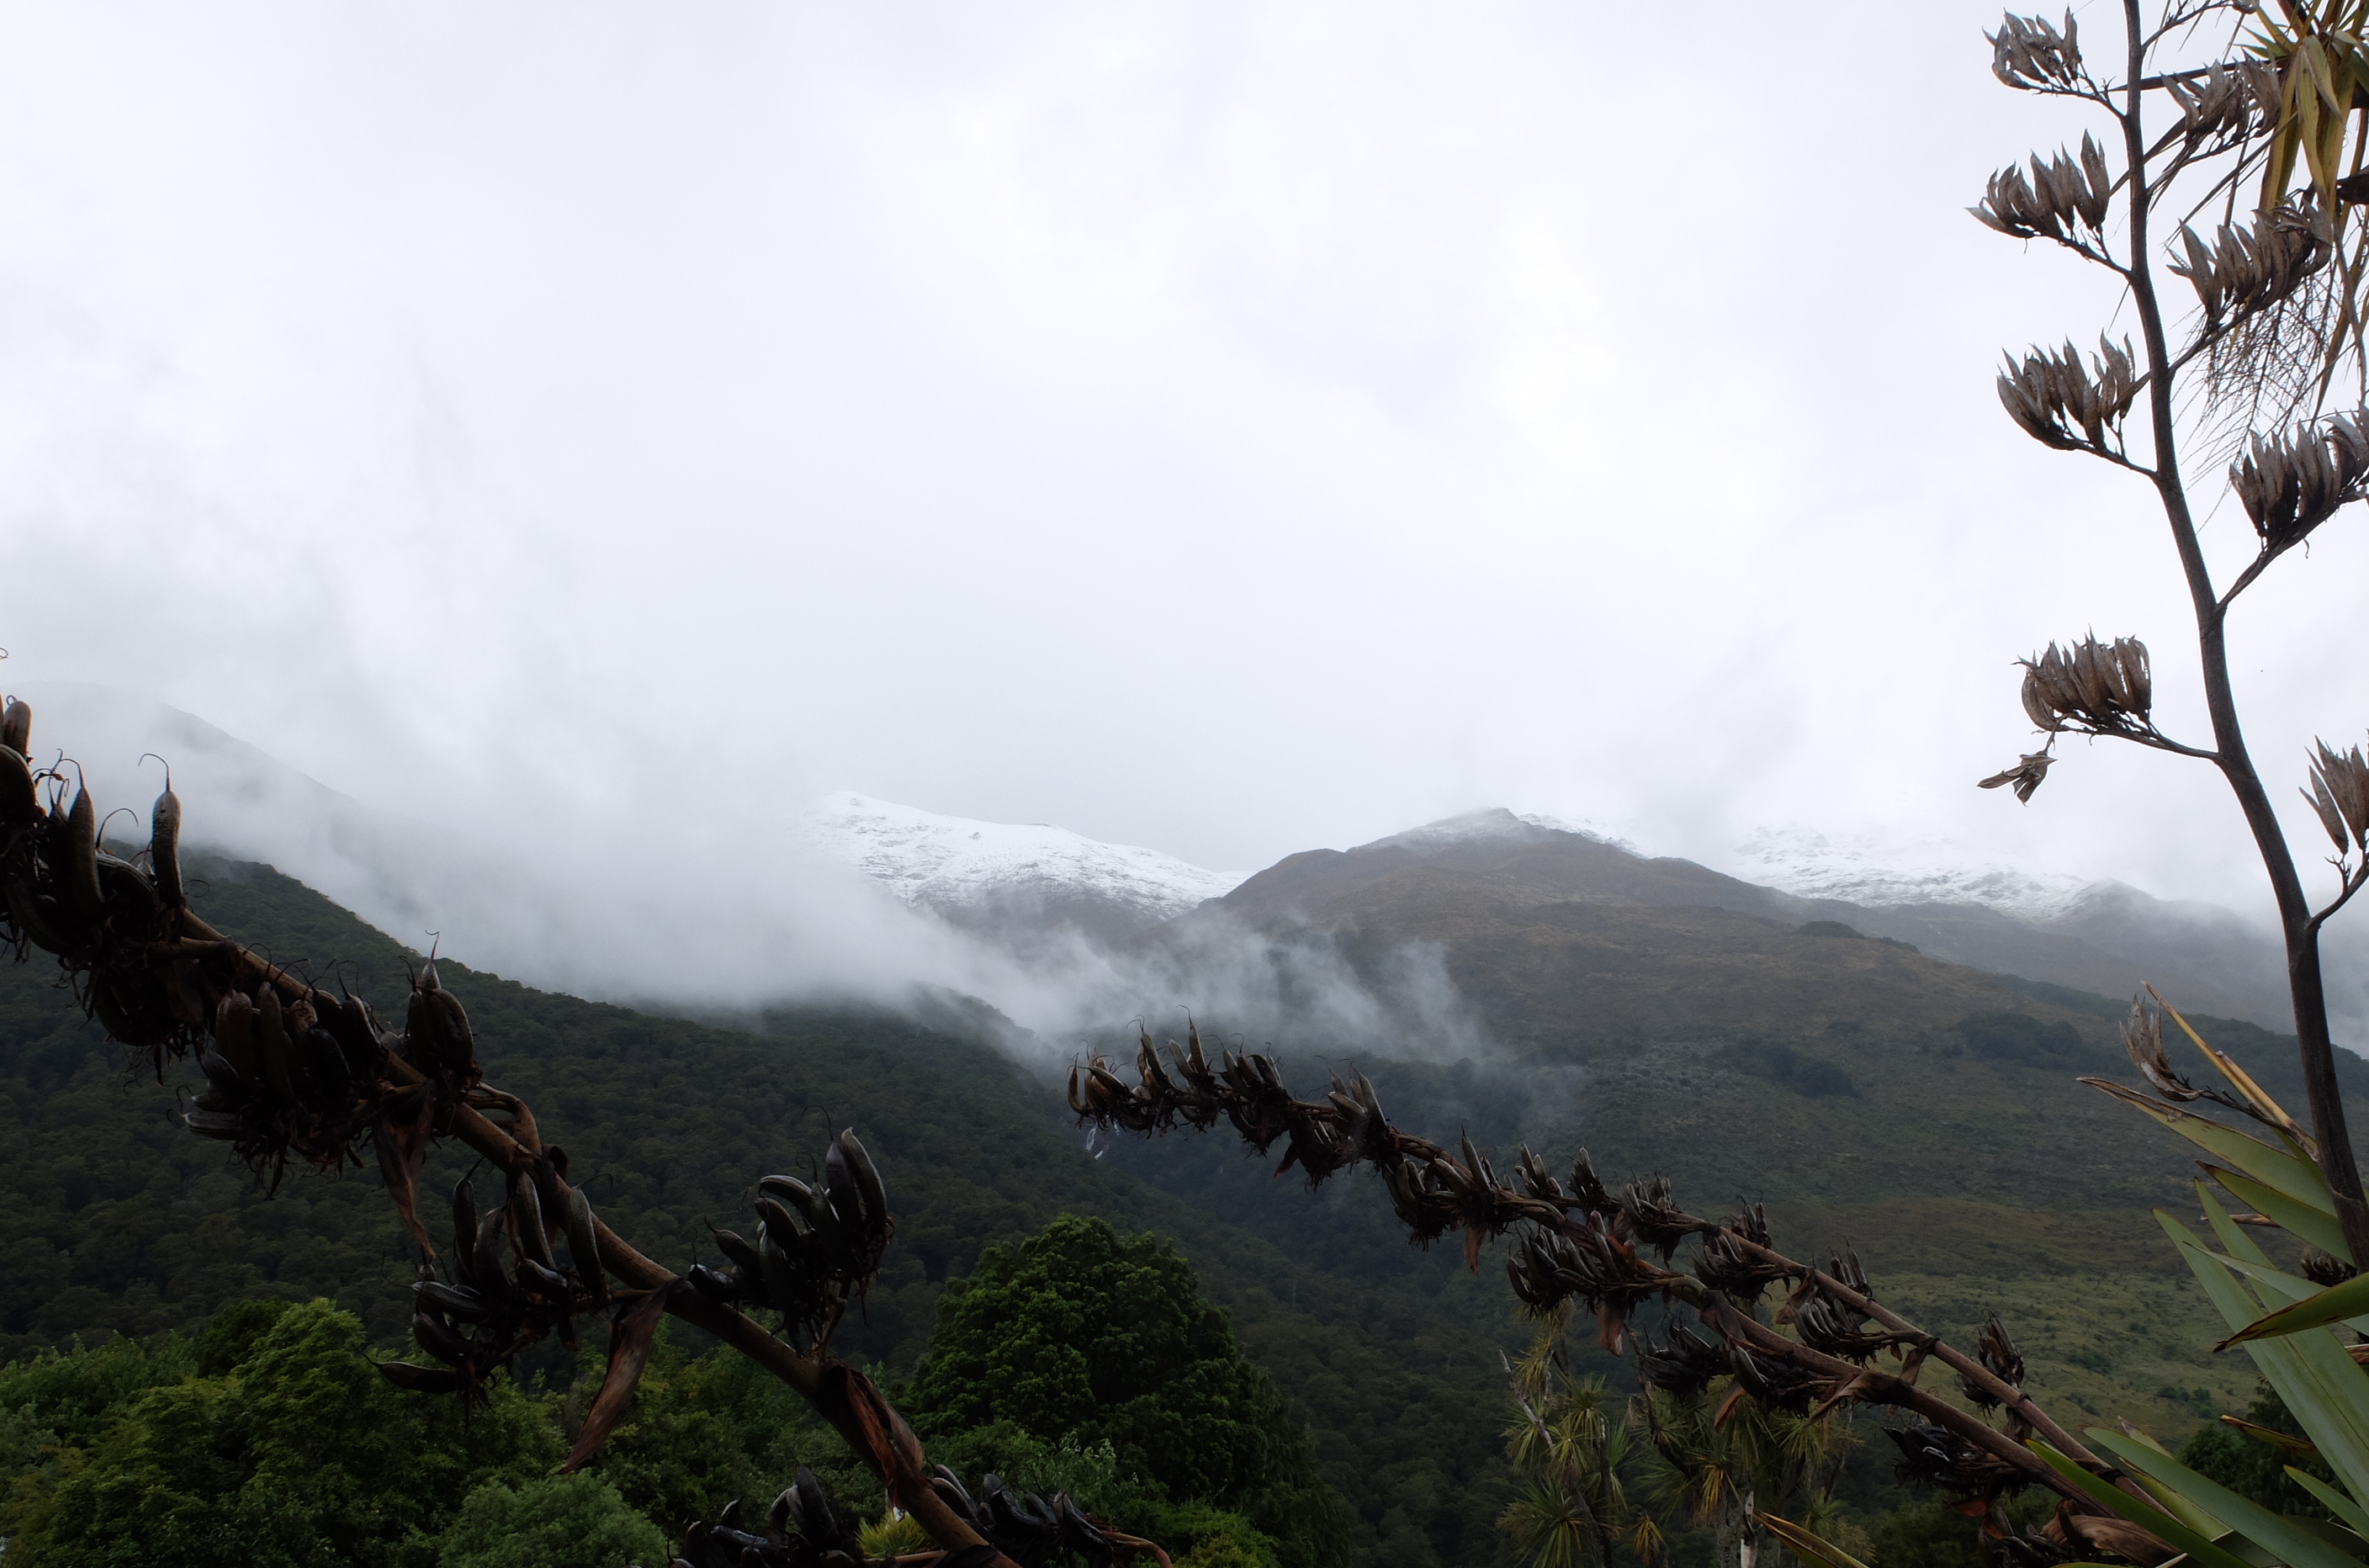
(2291, 483)
(464, 1229)
(2029, 54)
(584, 1245)
(2339, 794)
(436, 1029)
(165, 847)
(19, 806)
(235, 1037)
(78, 872)
(271, 1046)
(130, 896)
(526, 1220)
(36, 915)
(325, 1068)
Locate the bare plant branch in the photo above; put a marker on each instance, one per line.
(1581, 1248)
(295, 1073)
(2278, 309)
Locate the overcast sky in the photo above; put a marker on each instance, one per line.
(1228, 428)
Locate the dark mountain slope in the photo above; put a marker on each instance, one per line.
(2114, 939)
(1917, 1110)
(1498, 850)
(1567, 945)
(113, 1220)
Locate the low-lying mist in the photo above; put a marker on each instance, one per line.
(691, 910)
(679, 912)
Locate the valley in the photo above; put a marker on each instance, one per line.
(1835, 1077)
(1496, 977)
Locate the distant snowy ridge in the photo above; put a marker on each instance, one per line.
(1894, 875)
(957, 863)
(1493, 823)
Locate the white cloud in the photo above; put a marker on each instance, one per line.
(1227, 427)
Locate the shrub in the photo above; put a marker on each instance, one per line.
(2018, 1037)
(560, 1521)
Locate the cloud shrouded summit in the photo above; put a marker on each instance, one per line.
(1221, 426)
(958, 865)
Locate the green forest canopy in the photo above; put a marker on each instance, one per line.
(114, 1222)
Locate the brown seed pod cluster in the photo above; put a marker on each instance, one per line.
(1579, 1245)
(1735, 1257)
(2099, 688)
(818, 1246)
(503, 1288)
(292, 1071)
(2029, 54)
(111, 924)
(804, 1529)
(2000, 1357)
(286, 1073)
(2340, 794)
(2232, 101)
(2060, 403)
(1585, 1263)
(1186, 1090)
(1934, 1456)
(1685, 1363)
(2290, 485)
(2242, 272)
(2060, 200)
(1027, 1528)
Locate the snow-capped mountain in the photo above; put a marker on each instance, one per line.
(2098, 934)
(1891, 875)
(868, 897)
(991, 873)
(591, 904)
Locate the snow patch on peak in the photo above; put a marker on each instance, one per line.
(1887, 874)
(958, 863)
(1494, 822)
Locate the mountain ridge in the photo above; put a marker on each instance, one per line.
(875, 896)
(987, 876)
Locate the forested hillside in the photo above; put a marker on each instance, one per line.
(125, 1224)
(1960, 1160)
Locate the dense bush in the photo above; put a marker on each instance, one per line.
(265, 1437)
(294, 1454)
(1774, 1061)
(2252, 1467)
(2018, 1037)
(560, 1521)
(112, 1221)
(1081, 1337)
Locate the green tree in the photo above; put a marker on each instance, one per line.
(1080, 1336)
(1930, 1534)
(703, 1430)
(1721, 1467)
(2253, 1464)
(1570, 1445)
(559, 1521)
(297, 1455)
